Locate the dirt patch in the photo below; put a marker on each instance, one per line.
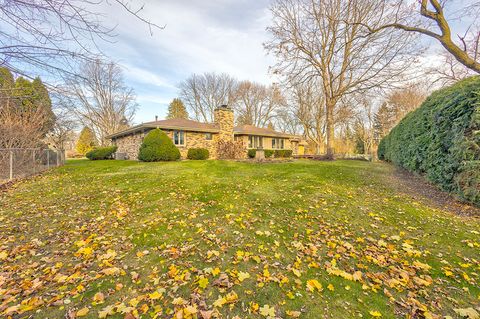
(417, 187)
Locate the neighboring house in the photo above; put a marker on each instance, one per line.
(187, 134)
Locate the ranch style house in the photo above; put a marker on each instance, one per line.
(187, 134)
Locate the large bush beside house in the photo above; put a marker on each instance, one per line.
(198, 154)
(157, 146)
(101, 153)
(441, 139)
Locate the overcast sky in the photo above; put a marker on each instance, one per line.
(199, 36)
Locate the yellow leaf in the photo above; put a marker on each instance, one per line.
(267, 311)
(155, 295)
(3, 255)
(203, 282)
(99, 297)
(243, 275)
(190, 310)
(330, 287)
(219, 302)
(107, 311)
(293, 314)
(82, 312)
(375, 313)
(469, 313)
(216, 271)
(296, 272)
(314, 284)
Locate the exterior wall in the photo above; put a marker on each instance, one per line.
(267, 142)
(130, 144)
(197, 140)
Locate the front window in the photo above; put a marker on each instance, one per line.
(278, 143)
(179, 138)
(208, 136)
(255, 141)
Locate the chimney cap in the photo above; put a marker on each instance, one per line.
(224, 107)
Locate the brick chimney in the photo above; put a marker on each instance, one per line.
(223, 117)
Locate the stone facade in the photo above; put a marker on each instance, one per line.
(130, 144)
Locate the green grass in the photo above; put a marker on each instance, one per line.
(165, 225)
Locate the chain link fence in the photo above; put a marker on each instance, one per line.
(18, 163)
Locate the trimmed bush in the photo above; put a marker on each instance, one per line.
(198, 154)
(283, 153)
(269, 153)
(251, 153)
(101, 153)
(157, 146)
(441, 139)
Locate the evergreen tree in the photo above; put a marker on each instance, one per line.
(384, 121)
(177, 110)
(86, 141)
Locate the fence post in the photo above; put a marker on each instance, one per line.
(11, 164)
(48, 159)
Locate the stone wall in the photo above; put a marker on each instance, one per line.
(130, 144)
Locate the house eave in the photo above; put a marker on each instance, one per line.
(140, 127)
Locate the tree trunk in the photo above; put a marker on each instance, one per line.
(330, 127)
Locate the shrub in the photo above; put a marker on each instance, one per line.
(283, 153)
(441, 140)
(157, 146)
(230, 149)
(252, 153)
(101, 153)
(198, 154)
(269, 153)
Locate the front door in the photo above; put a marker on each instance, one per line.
(301, 150)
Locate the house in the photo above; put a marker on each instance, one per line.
(187, 134)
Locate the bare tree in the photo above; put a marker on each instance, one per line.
(403, 101)
(364, 124)
(53, 34)
(449, 71)
(257, 104)
(62, 131)
(433, 22)
(205, 92)
(100, 99)
(315, 40)
(287, 121)
(308, 105)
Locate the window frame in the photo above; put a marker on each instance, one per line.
(255, 141)
(208, 136)
(181, 136)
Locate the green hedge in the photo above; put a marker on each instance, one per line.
(198, 154)
(251, 153)
(101, 153)
(157, 146)
(269, 153)
(283, 153)
(441, 139)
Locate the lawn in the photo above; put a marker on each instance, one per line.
(208, 239)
